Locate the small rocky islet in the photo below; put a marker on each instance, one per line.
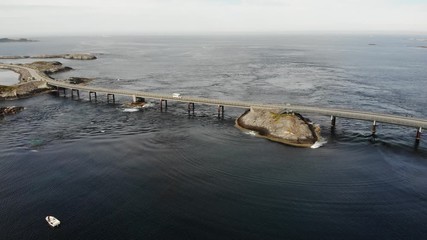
(4, 111)
(282, 126)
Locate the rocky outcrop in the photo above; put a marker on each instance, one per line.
(48, 67)
(4, 111)
(7, 92)
(80, 56)
(23, 90)
(79, 80)
(286, 127)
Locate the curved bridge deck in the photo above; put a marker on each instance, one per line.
(342, 113)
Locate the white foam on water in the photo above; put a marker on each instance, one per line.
(148, 105)
(252, 133)
(319, 143)
(131, 110)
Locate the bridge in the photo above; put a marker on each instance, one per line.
(375, 118)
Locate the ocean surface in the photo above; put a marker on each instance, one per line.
(111, 174)
(8, 78)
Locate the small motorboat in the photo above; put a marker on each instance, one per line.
(53, 221)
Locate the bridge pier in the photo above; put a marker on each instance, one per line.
(374, 127)
(418, 136)
(190, 108)
(90, 96)
(59, 89)
(113, 97)
(221, 111)
(161, 104)
(77, 91)
(333, 121)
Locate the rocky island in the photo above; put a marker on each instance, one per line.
(72, 56)
(5, 40)
(280, 126)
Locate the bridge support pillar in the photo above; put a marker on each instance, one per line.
(139, 100)
(418, 136)
(90, 96)
(113, 98)
(374, 127)
(221, 111)
(59, 89)
(333, 121)
(161, 104)
(77, 91)
(190, 108)
(133, 98)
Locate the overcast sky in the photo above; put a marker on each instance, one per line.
(56, 17)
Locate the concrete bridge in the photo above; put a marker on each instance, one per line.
(375, 118)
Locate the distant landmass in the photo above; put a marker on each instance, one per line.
(3, 40)
(72, 56)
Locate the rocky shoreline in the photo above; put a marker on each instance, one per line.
(280, 126)
(27, 86)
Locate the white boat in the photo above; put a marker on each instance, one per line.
(53, 221)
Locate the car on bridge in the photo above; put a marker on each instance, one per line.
(176, 95)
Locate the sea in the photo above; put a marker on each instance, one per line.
(109, 173)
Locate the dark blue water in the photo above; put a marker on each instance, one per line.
(108, 174)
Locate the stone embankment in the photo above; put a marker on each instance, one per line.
(285, 127)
